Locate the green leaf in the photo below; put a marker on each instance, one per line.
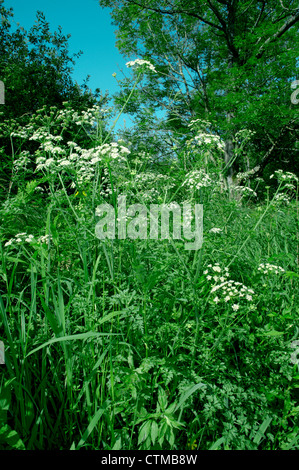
(91, 425)
(154, 432)
(162, 432)
(217, 444)
(90, 334)
(10, 438)
(117, 444)
(144, 431)
(273, 333)
(261, 431)
(187, 394)
(162, 398)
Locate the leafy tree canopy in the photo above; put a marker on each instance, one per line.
(227, 61)
(36, 68)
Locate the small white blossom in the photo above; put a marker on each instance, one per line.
(140, 62)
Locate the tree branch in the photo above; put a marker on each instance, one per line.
(176, 12)
(293, 20)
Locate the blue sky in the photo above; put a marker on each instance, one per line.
(91, 31)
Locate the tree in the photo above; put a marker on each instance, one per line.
(36, 67)
(227, 60)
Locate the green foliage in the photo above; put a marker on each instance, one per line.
(228, 62)
(36, 68)
(141, 344)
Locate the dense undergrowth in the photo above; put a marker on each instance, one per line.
(142, 344)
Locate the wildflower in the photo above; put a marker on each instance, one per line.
(287, 177)
(217, 269)
(235, 307)
(140, 62)
(215, 230)
(198, 179)
(281, 198)
(44, 239)
(245, 190)
(228, 288)
(192, 445)
(267, 268)
(65, 163)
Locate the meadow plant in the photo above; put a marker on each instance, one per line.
(139, 344)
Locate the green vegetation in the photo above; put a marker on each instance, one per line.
(141, 344)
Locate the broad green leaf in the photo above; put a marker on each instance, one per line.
(154, 432)
(10, 438)
(144, 431)
(261, 431)
(217, 444)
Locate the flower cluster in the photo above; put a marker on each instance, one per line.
(39, 127)
(246, 174)
(199, 123)
(226, 288)
(203, 138)
(21, 162)
(140, 62)
(245, 190)
(281, 198)
(215, 230)
(198, 179)
(267, 268)
(284, 177)
(221, 275)
(147, 185)
(82, 161)
(24, 237)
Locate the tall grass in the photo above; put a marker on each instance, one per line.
(134, 344)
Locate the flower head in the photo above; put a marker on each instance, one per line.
(140, 62)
